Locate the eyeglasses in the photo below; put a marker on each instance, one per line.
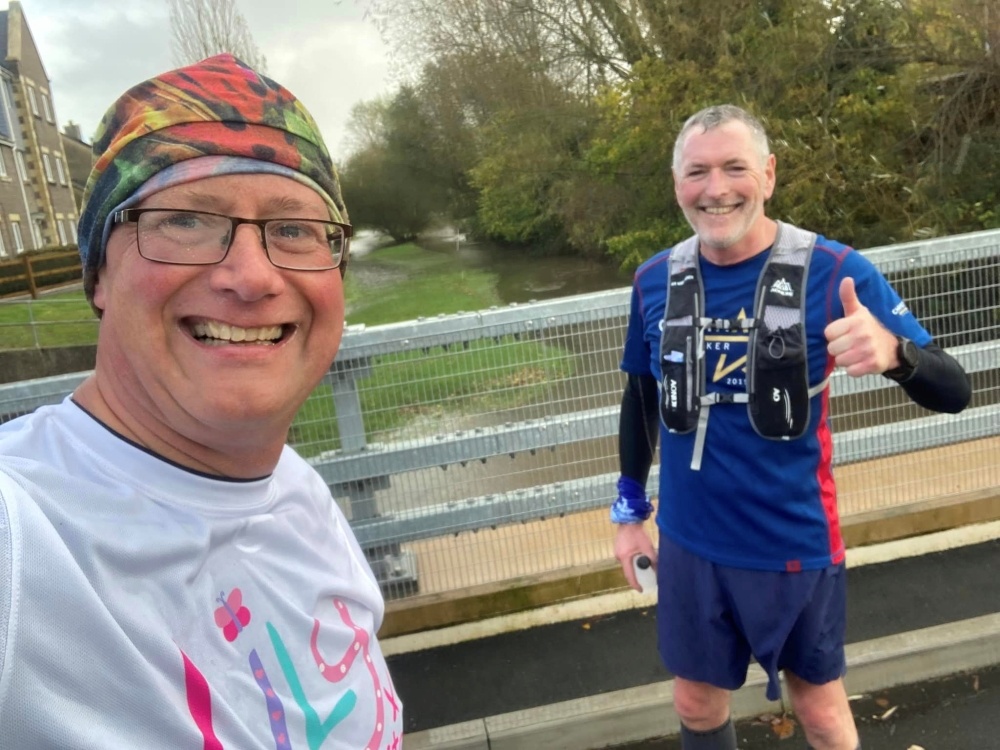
(199, 238)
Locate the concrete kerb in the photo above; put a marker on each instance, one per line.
(644, 712)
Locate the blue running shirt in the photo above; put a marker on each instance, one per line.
(756, 503)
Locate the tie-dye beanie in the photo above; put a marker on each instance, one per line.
(215, 117)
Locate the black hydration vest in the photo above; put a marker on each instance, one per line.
(778, 391)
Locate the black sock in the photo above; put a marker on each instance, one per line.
(723, 737)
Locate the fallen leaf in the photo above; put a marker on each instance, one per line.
(975, 682)
(914, 747)
(882, 702)
(856, 697)
(586, 626)
(783, 727)
(889, 713)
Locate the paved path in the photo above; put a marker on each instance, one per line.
(961, 712)
(584, 657)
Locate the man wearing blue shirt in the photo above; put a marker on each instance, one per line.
(751, 558)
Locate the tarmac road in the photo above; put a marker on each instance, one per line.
(961, 712)
(562, 661)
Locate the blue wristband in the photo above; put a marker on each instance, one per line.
(632, 505)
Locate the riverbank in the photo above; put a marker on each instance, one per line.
(439, 275)
(405, 282)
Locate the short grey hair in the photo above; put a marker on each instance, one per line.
(720, 114)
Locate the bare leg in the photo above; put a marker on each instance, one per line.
(824, 712)
(704, 713)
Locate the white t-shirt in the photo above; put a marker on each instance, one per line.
(143, 605)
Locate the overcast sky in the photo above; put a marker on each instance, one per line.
(323, 51)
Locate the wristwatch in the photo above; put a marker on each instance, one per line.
(907, 353)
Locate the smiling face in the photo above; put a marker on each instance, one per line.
(207, 365)
(721, 182)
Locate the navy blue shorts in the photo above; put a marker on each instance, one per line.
(712, 618)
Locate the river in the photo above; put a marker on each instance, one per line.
(521, 276)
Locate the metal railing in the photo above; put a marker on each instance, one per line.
(454, 441)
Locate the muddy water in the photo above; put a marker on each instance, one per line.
(521, 276)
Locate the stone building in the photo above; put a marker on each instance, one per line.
(37, 206)
(79, 158)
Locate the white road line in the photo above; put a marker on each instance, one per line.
(620, 601)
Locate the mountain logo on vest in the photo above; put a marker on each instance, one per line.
(782, 288)
(683, 281)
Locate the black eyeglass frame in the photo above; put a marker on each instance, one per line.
(131, 215)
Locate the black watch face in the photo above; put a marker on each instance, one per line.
(908, 351)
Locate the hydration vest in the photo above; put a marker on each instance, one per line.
(777, 382)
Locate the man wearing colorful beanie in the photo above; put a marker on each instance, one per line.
(172, 574)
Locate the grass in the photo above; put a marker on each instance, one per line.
(393, 284)
(57, 319)
(488, 375)
(432, 285)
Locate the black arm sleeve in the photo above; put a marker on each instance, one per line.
(638, 427)
(938, 383)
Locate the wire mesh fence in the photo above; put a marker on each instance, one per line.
(469, 450)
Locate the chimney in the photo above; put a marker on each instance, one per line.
(72, 130)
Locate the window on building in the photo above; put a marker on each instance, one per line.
(3, 164)
(72, 230)
(47, 106)
(36, 234)
(47, 163)
(6, 130)
(3, 247)
(19, 163)
(8, 95)
(15, 231)
(60, 169)
(61, 229)
(33, 101)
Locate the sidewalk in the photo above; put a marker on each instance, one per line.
(569, 675)
(960, 711)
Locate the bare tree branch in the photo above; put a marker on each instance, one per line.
(202, 28)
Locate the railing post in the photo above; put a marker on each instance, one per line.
(395, 570)
(34, 326)
(343, 380)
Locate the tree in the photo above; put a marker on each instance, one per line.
(506, 90)
(392, 184)
(578, 43)
(960, 130)
(202, 28)
(556, 119)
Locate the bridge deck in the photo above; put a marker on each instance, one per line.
(489, 556)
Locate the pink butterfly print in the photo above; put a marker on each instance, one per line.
(232, 616)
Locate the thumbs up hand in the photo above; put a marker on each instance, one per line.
(858, 342)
